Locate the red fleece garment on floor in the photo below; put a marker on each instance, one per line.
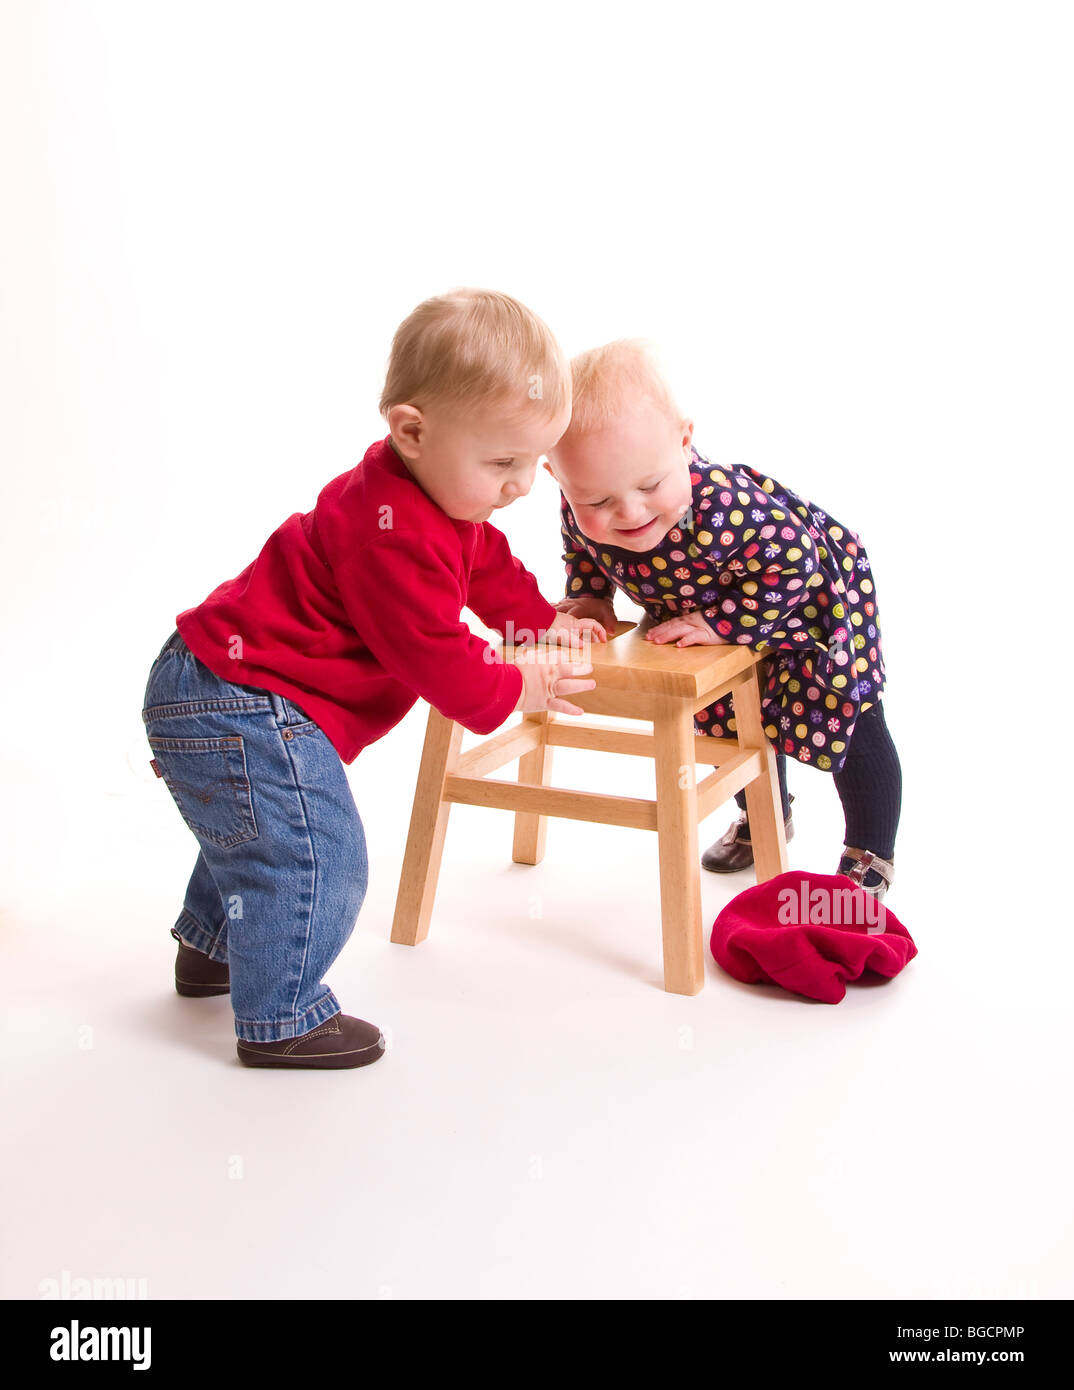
(809, 933)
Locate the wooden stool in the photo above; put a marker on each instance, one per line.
(635, 679)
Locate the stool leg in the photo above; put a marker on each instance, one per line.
(763, 805)
(676, 827)
(534, 767)
(428, 826)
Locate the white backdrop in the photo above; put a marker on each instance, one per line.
(846, 226)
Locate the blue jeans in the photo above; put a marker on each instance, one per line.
(281, 873)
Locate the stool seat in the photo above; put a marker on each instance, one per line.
(628, 662)
(636, 679)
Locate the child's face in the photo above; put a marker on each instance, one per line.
(629, 483)
(473, 461)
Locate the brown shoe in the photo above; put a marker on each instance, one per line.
(341, 1041)
(860, 865)
(196, 975)
(735, 851)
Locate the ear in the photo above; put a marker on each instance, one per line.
(408, 428)
(548, 469)
(687, 436)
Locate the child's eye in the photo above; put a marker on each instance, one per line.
(502, 463)
(604, 503)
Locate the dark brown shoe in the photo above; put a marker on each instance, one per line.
(341, 1041)
(197, 975)
(734, 851)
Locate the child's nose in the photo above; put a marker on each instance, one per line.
(520, 485)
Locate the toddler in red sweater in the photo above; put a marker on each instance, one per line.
(349, 614)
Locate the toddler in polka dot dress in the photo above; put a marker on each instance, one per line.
(727, 554)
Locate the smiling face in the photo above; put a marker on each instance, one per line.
(628, 483)
(472, 461)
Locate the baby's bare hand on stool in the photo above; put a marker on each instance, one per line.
(571, 630)
(690, 630)
(547, 677)
(589, 606)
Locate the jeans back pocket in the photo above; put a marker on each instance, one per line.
(209, 783)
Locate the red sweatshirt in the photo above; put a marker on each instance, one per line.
(352, 610)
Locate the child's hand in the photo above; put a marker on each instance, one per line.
(589, 607)
(688, 630)
(546, 677)
(570, 627)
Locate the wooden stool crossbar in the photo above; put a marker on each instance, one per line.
(636, 680)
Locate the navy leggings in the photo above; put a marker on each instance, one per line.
(869, 785)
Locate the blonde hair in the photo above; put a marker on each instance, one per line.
(605, 378)
(475, 347)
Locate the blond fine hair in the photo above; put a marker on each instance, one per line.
(605, 380)
(475, 348)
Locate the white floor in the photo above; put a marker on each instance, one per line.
(547, 1121)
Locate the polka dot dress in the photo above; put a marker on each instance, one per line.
(768, 569)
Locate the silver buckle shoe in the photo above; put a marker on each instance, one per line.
(864, 860)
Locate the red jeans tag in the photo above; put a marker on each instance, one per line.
(153, 765)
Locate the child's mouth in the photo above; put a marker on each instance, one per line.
(636, 530)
